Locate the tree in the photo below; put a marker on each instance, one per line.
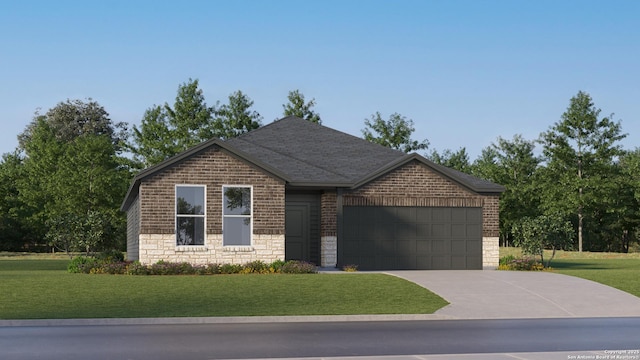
(512, 164)
(579, 151)
(236, 117)
(166, 131)
(394, 133)
(534, 235)
(73, 118)
(297, 107)
(15, 233)
(73, 179)
(458, 160)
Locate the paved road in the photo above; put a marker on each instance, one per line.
(294, 340)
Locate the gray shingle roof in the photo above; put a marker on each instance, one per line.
(313, 154)
(307, 154)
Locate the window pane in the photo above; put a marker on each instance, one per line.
(190, 231)
(237, 201)
(237, 231)
(190, 200)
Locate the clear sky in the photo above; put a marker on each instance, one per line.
(465, 72)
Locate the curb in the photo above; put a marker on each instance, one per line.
(220, 320)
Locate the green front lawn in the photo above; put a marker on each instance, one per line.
(43, 289)
(621, 271)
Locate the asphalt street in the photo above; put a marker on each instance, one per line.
(318, 339)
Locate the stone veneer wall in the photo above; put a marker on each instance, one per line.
(155, 247)
(212, 168)
(490, 252)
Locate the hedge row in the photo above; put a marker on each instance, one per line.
(90, 265)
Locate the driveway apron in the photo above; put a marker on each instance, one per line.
(491, 294)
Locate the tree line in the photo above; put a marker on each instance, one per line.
(63, 185)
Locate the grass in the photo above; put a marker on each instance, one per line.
(621, 271)
(42, 289)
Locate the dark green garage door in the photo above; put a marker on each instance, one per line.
(394, 238)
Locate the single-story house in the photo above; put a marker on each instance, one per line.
(294, 189)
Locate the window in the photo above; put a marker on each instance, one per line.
(190, 214)
(236, 215)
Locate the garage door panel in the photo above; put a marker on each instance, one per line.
(423, 262)
(474, 247)
(439, 246)
(406, 262)
(458, 262)
(441, 262)
(440, 230)
(423, 247)
(441, 215)
(458, 231)
(458, 247)
(474, 230)
(378, 238)
(459, 215)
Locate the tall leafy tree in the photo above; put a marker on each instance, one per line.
(512, 164)
(166, 131)
(394, 133)
(73, 118)
(579, 152)
(73, 175)
(15, 233)
(458, 159)
(236, 117)
(297, 106)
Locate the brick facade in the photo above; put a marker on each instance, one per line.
(212, 168)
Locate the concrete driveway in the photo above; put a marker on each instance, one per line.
(492, 294)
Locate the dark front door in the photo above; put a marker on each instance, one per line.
(297, 232)
(302, 226)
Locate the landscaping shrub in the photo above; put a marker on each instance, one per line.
(506, 260)
(81, 264)
(350, 268)
(298, 267)
(521, 264)
(113, 265)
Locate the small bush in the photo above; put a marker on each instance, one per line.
(111, 265)
(521, 264)
(298, 267)
(255, 267)
(81, 265)
(350, 268)
(276, 266)
(506, 260)
(230, 269)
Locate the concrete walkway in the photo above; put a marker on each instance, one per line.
(491, 294)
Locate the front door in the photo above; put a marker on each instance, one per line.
(297, 232)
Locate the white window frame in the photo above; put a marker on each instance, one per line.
(204, 217)
(250, 216)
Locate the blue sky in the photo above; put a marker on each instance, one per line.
(465, 72)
